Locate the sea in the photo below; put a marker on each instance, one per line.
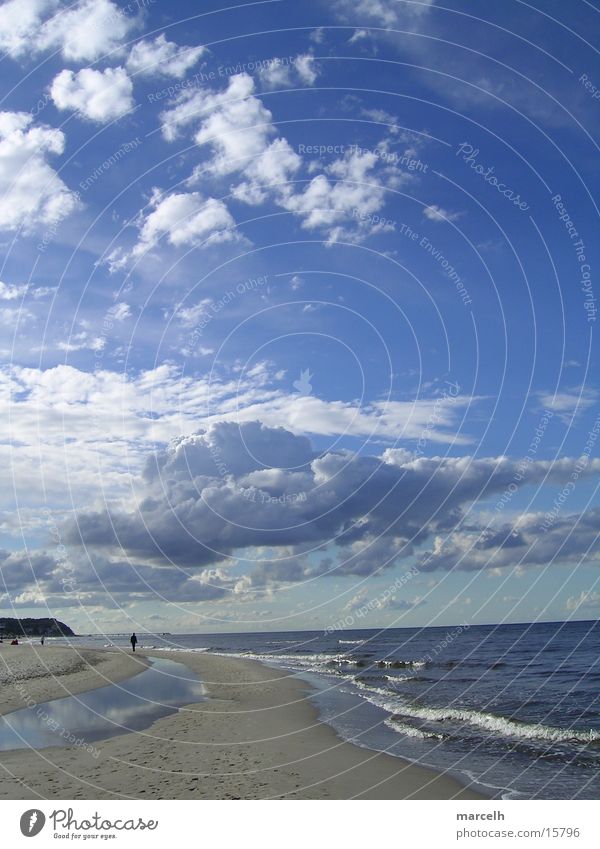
(512, 710)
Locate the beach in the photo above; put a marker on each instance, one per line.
(31, 672)
(257, 735)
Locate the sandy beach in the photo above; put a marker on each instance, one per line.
(256, 736)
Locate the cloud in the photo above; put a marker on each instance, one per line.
(81, 337)
(181, 219)
(159, 57)
(345, 200)
(303, 70)
(438, 213)
(39, 579)
(32, 195)
(232, 489)
(120, 312)
(586, 600)
(529, 541)
(384, 13)
(270, 172)
(238, 128)
(570, 402)
(180, 526)
(234, 122)
(120, 416)
(358, 35)
(83, 31)
(14, 316)
(99, 96)
(14, 291)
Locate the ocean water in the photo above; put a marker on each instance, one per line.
(513, 708)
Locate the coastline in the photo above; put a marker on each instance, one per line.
(257, 736)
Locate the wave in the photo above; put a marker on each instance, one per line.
(505, 727)
(490, 722)
(350, 642)
(500, 724)
(411, 731)
(178, 649)
(374, 690)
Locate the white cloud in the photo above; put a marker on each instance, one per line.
(162, 58)
(346, 205)
(185, 219)
(31, 192)
(238, 128)
(234, 123)
(181, 218)
(121, 416)
(438, 213)
(83, 31)
(120, 312)
(83, 340)
(12, 291)
(99, 96)
(278, 74)
(570, 402)
(14, 316)
(386, 13)
(268, 173)
(585, 600)
(343, 201)
(191, 316)
(358, 35)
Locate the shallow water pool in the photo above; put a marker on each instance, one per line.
(131, 705)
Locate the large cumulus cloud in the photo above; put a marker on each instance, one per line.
(264, 494)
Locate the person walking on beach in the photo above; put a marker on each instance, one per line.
(133, 640)
(42, 639)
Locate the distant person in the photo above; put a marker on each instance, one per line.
(42, 639)
(15, 643)
(133, 640)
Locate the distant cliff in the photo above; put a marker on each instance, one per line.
(34, 628)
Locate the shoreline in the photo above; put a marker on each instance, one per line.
(257, 736)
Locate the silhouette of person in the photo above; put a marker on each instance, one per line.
(133, 640)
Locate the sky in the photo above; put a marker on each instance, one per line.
(297, 313)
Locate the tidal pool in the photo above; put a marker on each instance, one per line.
(131, 705)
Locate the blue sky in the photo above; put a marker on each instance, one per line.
(297, 313)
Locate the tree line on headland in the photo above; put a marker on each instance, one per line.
(34, 628)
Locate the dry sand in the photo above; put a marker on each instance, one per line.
(257, 736)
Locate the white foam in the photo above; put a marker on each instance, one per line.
(501, 725)
(409, 731)
(488, 721)
(178, 649)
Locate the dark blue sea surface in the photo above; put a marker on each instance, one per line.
(514, 708)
